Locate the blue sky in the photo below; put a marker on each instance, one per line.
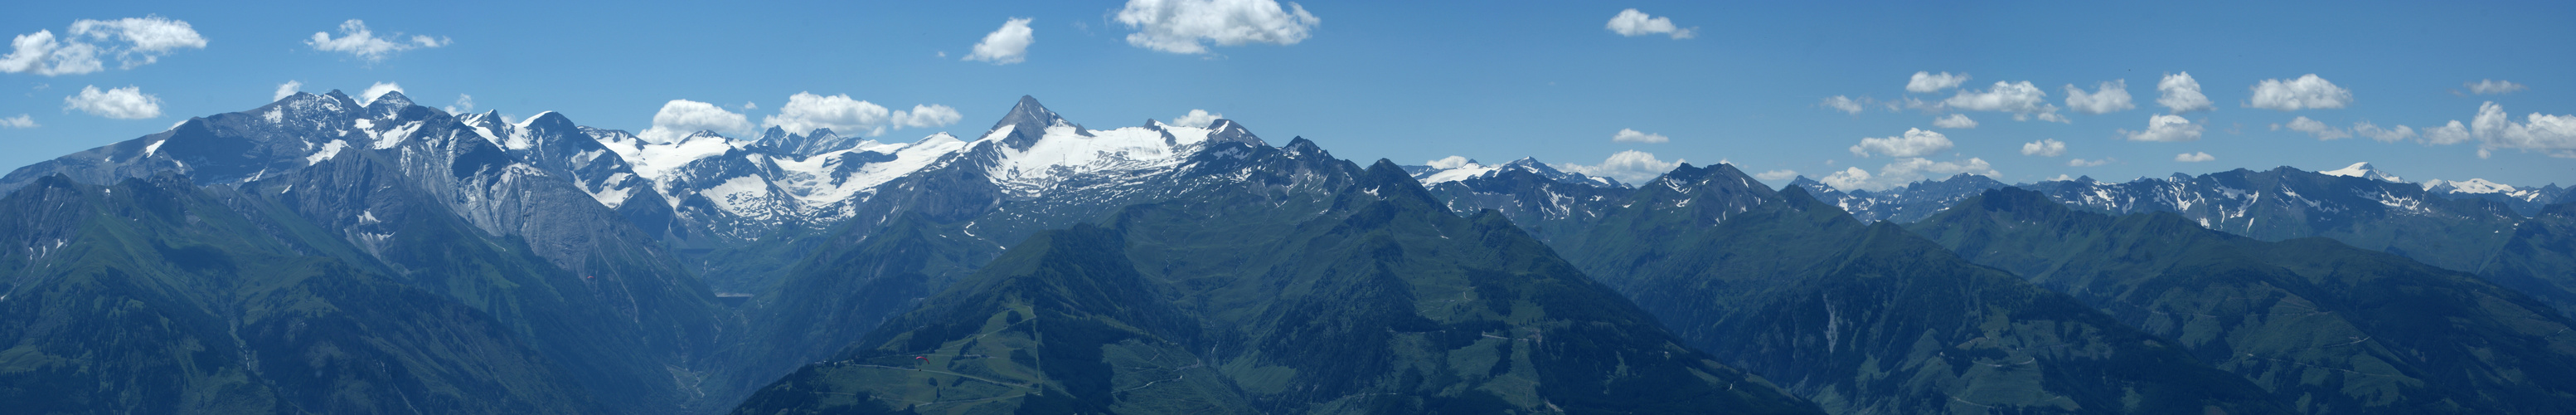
(1416, 81)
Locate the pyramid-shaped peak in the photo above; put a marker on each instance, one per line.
(1029, 109)
(2363, 170)
(392, 98)
(1028, 122)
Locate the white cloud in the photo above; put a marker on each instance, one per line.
(138, 41)
(357, 41)
(806, 111)
(2454, 133)
(2044, 148)
(1007, 45)
(287, 89)
(134, 41)
(128, 103)
(2308, 91)
(1633, 23)
(2021, 99)
(1450, 162)
(2319, 129)
(1776, 175)
(2182, 94)
(377, 90)
(2166, 127)
(1928, 82)
(2087, 163)
(1915, 143)
(1633, 136)
(2493, 87)
(1630, 166)
(2194, 157)
(1845, 104)
(2106, 98)
(926, 116)
(1184, 26)
(1197, 118)
(1954, 121)
(1903, 171)
(464, 104)
(2554, 135)
(2061, 177)
(40, 53)
(681, 117)
(20, 121)
(2372, 131)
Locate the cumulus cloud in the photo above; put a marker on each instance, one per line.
(1845, 104)
(1928, 82)
(2319, 129)
(287, 89)
(2182, 94)
(1954, 121)
(2106, 98)
(20, 121)
(2493, 87)
(1007, 45)
(376, 91)
(140, 41)
(1450, 162)
(2044, 148)
(2454, 133)
(1197, 118)
(128, 103)
(1186, 26)
(464, 104)
(807, 111)
(1903, 171)
(1776, 175)
(2308, 91)
(1633, 23)
(2194, 157)
(681, 117)
(2372, 131)
(926, 116)
(1915, 143)
(2022, 99)
(356, 40)
(2165, 127)
(1633, 136)
(135, 41)
(2087, 163)
(2554, 135)
(1630, 166)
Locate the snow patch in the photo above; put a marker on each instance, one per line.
(329, 150)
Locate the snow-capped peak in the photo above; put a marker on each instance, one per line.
(2466, 186)
(1454, 171)
(2364, 170)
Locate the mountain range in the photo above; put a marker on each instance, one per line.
(327, 253)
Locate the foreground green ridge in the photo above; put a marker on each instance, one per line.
(154, 296)
(1867, 318)
(1382, 303)
(2323, 326)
